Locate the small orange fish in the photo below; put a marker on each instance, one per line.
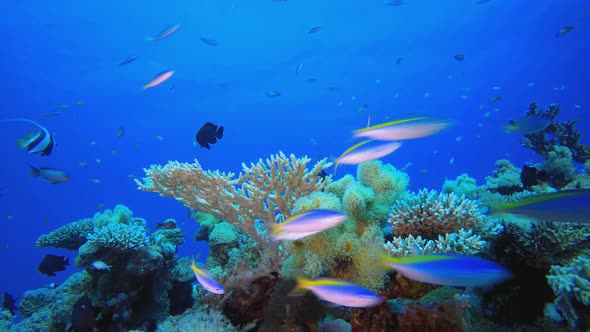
(159, 79)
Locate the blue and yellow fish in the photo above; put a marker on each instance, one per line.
(448, 269)
(561, 206)
(339, 292)
(206, 280)
(307, 223)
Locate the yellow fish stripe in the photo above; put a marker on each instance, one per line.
(352, 148)
(415, 259)
(391, 123)
(538, 199)
(197, 270)
(304, 282)
(292, 218)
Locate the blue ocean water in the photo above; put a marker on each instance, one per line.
(62, 52)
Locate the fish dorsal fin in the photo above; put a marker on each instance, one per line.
(27, 120)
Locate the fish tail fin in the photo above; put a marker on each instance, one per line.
(21, 143)
(301, 286)
(275, 231)
(219, 132)
(34, 171)
(336, 163)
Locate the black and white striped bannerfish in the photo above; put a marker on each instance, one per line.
(38, 142)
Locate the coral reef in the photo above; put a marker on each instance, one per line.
(70, 236)
(47, 309)
(571, 284)
(261, 194)
(556, 134)
(430, 214)
(462, 242)
(145, 283)
(346, 251)
(329, 324)
(432, 222)
(208, 320)
(506, 179)
(541, 245)
(463, 185)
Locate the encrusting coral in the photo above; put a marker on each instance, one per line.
(571, 285)
(506, 179)
(47, 309)
(462, 185)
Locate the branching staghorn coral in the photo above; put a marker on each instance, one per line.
(263, 192)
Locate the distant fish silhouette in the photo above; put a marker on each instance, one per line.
(314, 29)
(168, 31)
(128, 60)
(52, 263)
(208, 41)
(208, 134)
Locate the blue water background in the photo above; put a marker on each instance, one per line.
(61, 52)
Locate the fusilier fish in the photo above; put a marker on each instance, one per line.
(159, 79)
(339, 292)
(448, 269)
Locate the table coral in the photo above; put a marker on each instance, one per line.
(70, 236)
